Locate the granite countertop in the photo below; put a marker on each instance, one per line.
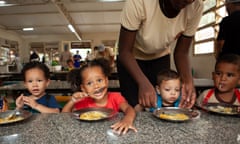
(64, 129)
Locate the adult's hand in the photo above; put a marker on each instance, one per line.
(188, 95)
(147, 95)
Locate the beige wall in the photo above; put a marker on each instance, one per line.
(202, 65)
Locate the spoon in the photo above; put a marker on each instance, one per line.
(97, 91)
(12, 114)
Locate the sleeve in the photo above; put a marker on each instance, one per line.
(221, 34)
(195, 14)
(132, 14)
(201, 97)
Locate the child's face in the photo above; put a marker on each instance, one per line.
(94, 83)
(170, 91)
(35, 82)
(226, 76)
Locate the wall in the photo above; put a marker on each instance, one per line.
(203, 65)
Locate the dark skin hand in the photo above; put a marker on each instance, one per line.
(146, 93)
(183, 66)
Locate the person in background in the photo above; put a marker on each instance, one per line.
(149, 28)
(228, 37)
(3, 104)
(77, 58)
(36, 77)
(106, 53)
(226, 77)
(34, 56)
(64, 56)
(92, 80)
(70, 65)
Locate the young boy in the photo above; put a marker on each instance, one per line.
(36, 77)
(226, 78)
(168, 90)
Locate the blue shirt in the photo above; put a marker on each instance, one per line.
(159, 102)
(46, 100)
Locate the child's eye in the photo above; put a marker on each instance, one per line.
(177, 90)
(217, 73)
(89, 83)
(167, 89)
(40, 80)
(230, 75)
(30, 81)
(100, 80)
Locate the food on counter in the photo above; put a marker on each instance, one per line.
(10, 120)
(92, 115)
(221, 109)
(174, 116)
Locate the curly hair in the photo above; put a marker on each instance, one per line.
(37, 65)
(75, 78)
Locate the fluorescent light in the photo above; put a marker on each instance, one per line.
(111, 0)
(2, 2)
(71, 28)
(28, 29)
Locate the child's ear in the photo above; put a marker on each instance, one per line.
(157, 89)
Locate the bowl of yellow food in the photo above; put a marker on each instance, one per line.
(173, 114)
(221, 108)
(93, 114)
(19, 115)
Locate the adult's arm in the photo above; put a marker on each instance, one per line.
(146, 92)
(181, 59)
(218, 47)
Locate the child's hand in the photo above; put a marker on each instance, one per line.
(30, 102)
(77, 96)
(123, 126)
(19, 102)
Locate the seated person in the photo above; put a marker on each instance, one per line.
(168, 89)
(36, 77)
(91, 80)
(70, 65)
(226, 77)
(3, 104)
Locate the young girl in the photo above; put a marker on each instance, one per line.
(92, 79)
(226, 78)
(36, 77)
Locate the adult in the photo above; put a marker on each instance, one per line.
(148, 28)
(228, 37)
(106, 53)
(64, 56)
(77, 59)
(34, 56)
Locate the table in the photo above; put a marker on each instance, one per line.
(64, 129)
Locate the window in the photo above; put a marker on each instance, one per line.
(214, 11)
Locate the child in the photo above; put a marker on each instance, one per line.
(226, 77)
(168, 89)
(3, 104)
(92, 79)
(36, 77)
(70, 65)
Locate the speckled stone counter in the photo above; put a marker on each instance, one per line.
(64, 129)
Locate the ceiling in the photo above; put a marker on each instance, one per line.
(51, 17)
